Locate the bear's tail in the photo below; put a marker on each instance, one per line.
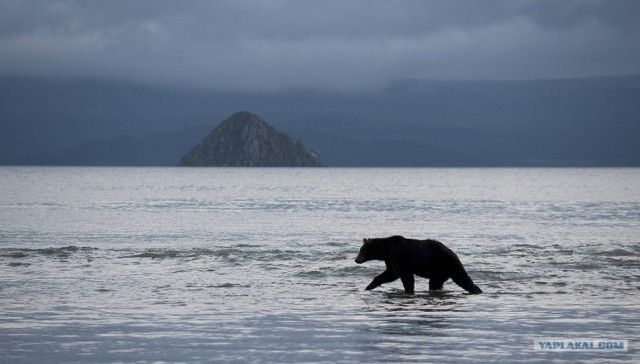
(464, 281)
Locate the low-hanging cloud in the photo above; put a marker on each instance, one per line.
(354, 45)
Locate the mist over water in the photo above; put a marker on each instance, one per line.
(245, 265)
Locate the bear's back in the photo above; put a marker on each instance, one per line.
(432, 253)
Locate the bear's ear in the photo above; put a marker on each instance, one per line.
(366, 241)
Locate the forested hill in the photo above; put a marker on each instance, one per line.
(246, 140)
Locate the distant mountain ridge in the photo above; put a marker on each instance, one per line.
(246, 140)
(585, 122)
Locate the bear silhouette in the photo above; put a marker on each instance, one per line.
(406, 257)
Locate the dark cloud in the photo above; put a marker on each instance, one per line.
(318, 44)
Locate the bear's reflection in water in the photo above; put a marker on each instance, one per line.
(409, 327)
(395, 309)
(424, 327)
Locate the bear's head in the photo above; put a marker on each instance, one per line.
(372, 249)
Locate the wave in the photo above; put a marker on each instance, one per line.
(26, 252)
(246, 251)
(619, 252)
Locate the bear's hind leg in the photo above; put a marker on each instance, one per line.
(464, 281)
(435, 283)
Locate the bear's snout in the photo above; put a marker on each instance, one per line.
(359, 259)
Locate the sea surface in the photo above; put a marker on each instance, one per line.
(143, 265)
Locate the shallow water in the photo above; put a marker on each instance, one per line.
(246, 265)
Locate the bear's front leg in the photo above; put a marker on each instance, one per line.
(384, 277)
(407, 282)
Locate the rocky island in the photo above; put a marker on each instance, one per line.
(246, 140)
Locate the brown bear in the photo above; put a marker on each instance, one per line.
(406, 257)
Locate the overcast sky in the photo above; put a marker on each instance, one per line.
(334, 45)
